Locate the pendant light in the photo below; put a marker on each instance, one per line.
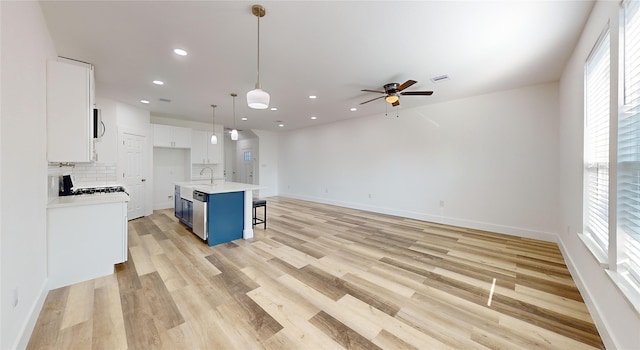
(258, 98)
(234, 132)
(214, 138)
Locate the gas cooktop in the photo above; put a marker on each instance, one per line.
(99, 190)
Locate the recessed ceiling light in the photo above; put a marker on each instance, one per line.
(180, 52)
(158, 82)
(244, 118)
(281, 125)
(353, 109)
(274, 108)
(313, 97)
(314, 118)
(144, 101)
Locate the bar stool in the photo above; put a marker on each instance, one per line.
(256, 204)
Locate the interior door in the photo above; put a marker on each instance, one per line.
(132, 155)
(247, 167)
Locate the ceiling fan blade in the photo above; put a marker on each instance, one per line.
(406, 84)
(373, 99)
(423, 93)
(396, 104)
(380, 92)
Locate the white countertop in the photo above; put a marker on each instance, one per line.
(218, 187)
(90, 199)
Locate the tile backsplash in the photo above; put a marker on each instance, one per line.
(197, 168)
(88, 174)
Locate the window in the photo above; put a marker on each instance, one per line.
(629, 146)
(597, 98)
(616, 246)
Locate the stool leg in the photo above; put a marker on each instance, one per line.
(265, 217)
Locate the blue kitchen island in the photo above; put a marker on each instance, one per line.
(229, 214)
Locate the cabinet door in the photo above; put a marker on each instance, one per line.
(162, 135)
(125, 234)
(69, 112)
(199, 147)
(181, 137)
(177, 203)
(214, 152)
(190, 214)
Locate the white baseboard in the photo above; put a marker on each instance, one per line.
(507, 230)
(593, 308)
(30, 322)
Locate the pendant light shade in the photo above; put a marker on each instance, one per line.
(234, 132)
(258, 98)
(214, 138)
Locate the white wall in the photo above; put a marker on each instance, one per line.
(26, 45)
(267, 163)
(491, 159)
(615, 318)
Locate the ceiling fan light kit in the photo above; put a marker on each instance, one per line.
(392, 92)
(258, 98)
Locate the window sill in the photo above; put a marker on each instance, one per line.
(594, 248)
(622, 280)
(630, 290)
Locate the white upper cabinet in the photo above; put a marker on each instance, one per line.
(70, 101)
(171, 136)
(214, 152)
(199, 147)
(202, 151)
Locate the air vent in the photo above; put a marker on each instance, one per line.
(440, 78)
(164, 100)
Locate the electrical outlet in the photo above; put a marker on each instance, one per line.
(326, 190)
(441, 204)
(369, 195)
(15, 297)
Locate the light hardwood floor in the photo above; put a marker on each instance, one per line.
(323, 277)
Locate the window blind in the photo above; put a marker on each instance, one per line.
(629, 142)
(597, 142)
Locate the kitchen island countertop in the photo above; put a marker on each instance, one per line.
(224, 187)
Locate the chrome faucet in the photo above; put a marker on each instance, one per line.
(202, 172)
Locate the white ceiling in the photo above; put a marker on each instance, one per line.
(331, 49)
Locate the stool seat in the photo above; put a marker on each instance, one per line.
(257, 203)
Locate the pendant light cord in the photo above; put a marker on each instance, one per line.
(234, 110)
(213, 120)
(258, 65)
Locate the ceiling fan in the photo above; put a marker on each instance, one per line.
(393, 91)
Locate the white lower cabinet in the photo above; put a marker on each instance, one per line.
(85, 242)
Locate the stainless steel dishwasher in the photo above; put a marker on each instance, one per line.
(200, 214)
